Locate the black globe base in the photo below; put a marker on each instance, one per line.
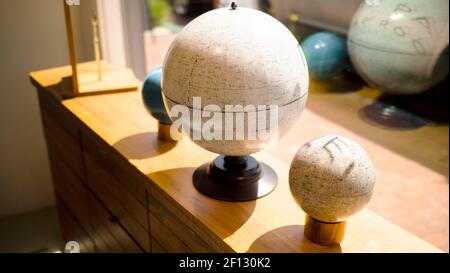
(235, 178)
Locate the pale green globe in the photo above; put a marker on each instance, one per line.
(400, 47)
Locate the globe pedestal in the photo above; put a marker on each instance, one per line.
(324, 233)
(164, 133)
(235, 178)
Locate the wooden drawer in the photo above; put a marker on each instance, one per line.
(162, 218)
(67, 146)
(129, 212)
(71, 230)
(70, 189)
(116, 165)
(59, 112)
(108, 235)
(165, 238)
(156, 247)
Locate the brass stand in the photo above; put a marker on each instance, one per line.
(164, 133)
(323, 233)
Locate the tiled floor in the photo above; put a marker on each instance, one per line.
(420, 206)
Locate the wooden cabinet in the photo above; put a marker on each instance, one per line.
(72, 230)
(119, 189)
(69, 188)
(108, 233)
(98, 206)
(127, 210)
(169, 231)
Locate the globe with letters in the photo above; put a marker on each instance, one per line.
(239, 66)
(400, 47)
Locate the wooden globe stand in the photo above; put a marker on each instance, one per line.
(323, 233)
(165, 135)
(235, 178)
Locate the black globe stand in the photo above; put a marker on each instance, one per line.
(235, 178)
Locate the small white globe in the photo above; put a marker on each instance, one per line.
(331, 178)
(236, 57)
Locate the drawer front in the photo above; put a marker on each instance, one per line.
(66, 145)
(117, 166)
(156, 247)
(71, 230)
(108, 235)
(129, 212)
(184, 233)
(70, 189)
(165, 238)
(58, 112)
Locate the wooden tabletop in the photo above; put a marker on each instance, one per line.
(270, 224)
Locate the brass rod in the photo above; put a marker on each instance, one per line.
(97, 45)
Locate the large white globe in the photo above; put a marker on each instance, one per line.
(400, 47)
(236, 57)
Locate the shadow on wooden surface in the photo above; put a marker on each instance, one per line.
(280, 240)
(151, 146)
(227, 217)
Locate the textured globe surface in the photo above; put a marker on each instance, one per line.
(331, 178)
(236, 57)
(326, 54)
(400, 47)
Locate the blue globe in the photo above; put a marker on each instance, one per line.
(152, 97)
(326, 55)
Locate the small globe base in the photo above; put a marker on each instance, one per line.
(235, 178)
(324, 233)
(164, 133)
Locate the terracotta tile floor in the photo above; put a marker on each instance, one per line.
(156, 45)
(408, 194)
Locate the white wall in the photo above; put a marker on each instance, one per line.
(32, 37)
(334, 15)
(241, 3)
